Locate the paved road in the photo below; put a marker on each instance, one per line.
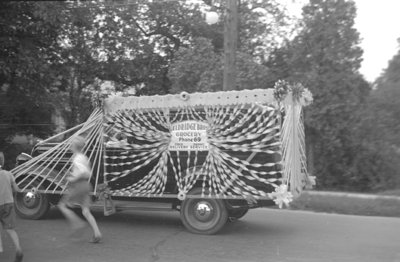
(263, 235)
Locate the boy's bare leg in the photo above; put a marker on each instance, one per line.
(15, 239)
(72, 218)
(92, 222)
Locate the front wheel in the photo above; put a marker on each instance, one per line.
(30, 205)
(203, 216)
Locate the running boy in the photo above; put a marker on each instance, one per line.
(7, 213)
(78, 191)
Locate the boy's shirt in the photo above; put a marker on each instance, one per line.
(80, 167)
(6, 187)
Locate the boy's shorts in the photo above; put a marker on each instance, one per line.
(78, 194)
(7, 216)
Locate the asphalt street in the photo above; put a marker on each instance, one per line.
(262, 235)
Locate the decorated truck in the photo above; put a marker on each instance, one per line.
(210, 156)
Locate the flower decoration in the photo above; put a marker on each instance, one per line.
(281, 89)
(96, 99)
(310, 182)
(300, 94)
(306, 98)
(281, 196)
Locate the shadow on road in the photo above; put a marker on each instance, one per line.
(249, 228)
(256, 223)
(130, 218)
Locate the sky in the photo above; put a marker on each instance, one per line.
(378, 22)
(379, 25)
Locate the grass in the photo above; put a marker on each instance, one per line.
(349, 204)
(395, 192)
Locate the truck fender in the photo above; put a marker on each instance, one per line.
(52, 178)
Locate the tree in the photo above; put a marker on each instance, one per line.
(386, 104)
(163, 29)
(325, 56)
(261, 26)
(27, 43)
(379, 131)
(26, 52)
(200, 68)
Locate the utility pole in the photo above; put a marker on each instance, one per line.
(230, 44)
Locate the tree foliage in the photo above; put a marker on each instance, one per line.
(325, 57)
(64, 46)
(26, 53)
(378, 132)
(200, 68)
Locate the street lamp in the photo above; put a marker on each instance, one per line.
(212, 18)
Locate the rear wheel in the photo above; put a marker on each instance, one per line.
(203, 216)
(30, 205)
(235, 214)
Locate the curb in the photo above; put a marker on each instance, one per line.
(351, 195)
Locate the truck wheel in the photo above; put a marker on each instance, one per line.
(203, 215)
(235, 214)
(30, 205)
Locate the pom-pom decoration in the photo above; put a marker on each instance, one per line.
(281, 196)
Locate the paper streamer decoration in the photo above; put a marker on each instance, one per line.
(231, 144)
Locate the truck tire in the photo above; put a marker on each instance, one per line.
(30, 205)
(235, 214)
(203, 215)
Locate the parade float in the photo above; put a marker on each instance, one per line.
(211, 156)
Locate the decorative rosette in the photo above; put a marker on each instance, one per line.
(181, 195)
(301, 94)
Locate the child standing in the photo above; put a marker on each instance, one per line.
(7, 213)
(78, 191)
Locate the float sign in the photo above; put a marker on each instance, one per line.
(189, 136)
